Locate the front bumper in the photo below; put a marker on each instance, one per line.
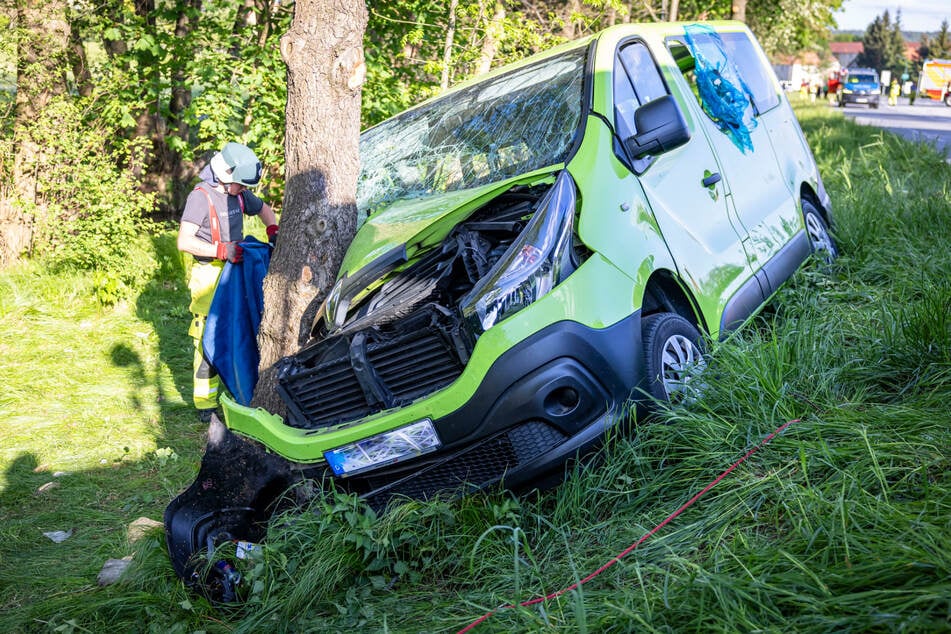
(541, 401)
(860, 99)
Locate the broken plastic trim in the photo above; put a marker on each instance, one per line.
(338, 299)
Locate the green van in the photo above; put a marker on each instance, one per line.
(541, 248)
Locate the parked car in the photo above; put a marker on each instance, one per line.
(540, 248)
(860, 86)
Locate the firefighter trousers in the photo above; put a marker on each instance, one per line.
(202, 284)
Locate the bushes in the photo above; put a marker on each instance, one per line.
(90, 215)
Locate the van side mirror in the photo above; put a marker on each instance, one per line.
(661, 127)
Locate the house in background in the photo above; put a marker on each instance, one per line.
(846, 52)
(794, 71)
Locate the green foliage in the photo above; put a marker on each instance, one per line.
(91, 217)
(405, 44)
(405, 41)
(234, 76)
(791, 26)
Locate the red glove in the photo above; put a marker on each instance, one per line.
(272, 234)
(230, 251)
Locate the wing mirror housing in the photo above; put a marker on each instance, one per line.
(661, 128)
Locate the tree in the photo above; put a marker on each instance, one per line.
(43, 55)
(322, 165)
(884, 45)
(941, 44)
(791, 26)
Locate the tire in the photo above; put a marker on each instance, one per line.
(947, 99)
(673, 355)
(820, 240)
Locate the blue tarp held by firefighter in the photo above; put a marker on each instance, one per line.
(230, 338)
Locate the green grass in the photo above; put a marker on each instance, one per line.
(841, 524)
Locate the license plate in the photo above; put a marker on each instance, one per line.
(861, 100)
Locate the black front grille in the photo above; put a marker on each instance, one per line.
(354, 375)
(476, 467)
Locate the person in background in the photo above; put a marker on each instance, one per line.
(211, 228)
(893, 90)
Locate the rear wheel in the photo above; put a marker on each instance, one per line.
(672, 346)
(818, 231)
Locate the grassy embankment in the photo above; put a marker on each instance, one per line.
(840, 524)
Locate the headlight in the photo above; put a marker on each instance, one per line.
(334, 312)
(847, 91)
(383, 449)
(538, 259)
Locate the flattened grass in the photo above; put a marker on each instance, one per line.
(841, 524)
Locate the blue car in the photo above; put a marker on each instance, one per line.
(861, 86)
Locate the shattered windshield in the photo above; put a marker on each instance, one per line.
(493, 130)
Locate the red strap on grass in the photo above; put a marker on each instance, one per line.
(643, 539)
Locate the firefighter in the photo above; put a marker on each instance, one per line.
(211, 228)
(893, 91)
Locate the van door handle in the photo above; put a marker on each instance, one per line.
(711, 180)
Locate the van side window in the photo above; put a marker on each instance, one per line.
(636, 82)
(741, 51)
(755, 74)
(720, 83)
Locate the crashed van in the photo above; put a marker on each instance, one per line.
(541, 249)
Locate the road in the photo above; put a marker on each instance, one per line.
(927, 121)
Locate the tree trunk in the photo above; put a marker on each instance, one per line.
(447, 49)
(42, 61)
(142, 158)
(572, 9)
(738, 11)
(322, 165)
(173, 166)
(674, 10)
(494, 32)
(80, 64)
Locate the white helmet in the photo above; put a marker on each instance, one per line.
(236, 163)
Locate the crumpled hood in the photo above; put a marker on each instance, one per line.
(422, 222)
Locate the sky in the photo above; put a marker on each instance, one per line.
(916, 15)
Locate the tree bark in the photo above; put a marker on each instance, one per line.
(323, 51)
(738, 11)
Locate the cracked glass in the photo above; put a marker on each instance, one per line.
(484, 133)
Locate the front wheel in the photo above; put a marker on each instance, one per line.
(672, 346)
(818, 231)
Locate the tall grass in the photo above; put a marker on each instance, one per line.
(841, 524)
